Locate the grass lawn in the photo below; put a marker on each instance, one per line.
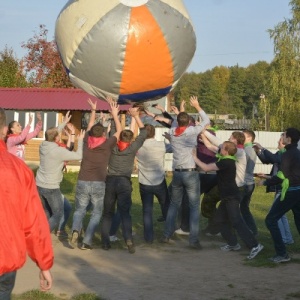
(260, 205)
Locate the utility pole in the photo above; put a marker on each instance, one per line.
(263, 98)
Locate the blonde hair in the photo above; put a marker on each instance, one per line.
(51, 134)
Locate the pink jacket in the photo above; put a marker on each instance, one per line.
(15, 143)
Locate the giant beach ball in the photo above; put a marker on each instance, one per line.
(131, 50)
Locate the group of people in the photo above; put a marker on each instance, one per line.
(202, 164)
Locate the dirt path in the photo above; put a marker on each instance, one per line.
(162, 272)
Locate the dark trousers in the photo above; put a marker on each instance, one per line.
(118, 190)
(278, 209)
(228, 217)
(147, 195)
(7, 283)
(245, 209)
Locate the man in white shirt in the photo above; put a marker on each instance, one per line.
(152, 180)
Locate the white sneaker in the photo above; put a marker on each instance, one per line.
(181, 232)
(113, 238)
(255, 250)
(228, 248)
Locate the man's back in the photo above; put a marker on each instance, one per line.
(95, 159)
(151, 162)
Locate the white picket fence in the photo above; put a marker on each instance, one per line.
(267, 139)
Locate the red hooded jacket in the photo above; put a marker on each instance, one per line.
(23, 224)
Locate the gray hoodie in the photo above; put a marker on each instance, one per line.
(52, 157)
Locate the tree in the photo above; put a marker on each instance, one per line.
(285, 71)
(256, 83)
(186, 87)
(42, 65)
(10, 76)
(236, 90)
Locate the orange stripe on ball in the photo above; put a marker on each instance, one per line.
(147, 63)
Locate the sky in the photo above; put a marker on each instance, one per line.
(229, 32)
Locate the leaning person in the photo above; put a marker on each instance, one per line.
(228, 213)
(118, 183)
(90, 186)
(50, 172)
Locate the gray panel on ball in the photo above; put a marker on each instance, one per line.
(99, 58)
(178, 32)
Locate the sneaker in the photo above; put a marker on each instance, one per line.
(106, 246)
(160, 219)
(85, 247)
(74, 238)
(255, 250)
(227, 247)
(164, 240)
(130, 246)
(279, 259)
(62, 234)
(181, 232)
(113, 238)
(195, 246)
(211, 234)
(289, 242)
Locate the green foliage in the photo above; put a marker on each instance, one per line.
(226, 90)
(285, 71)
(36, 294)
(42, 64)
(9, 70)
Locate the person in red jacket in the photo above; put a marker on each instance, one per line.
(23, 224)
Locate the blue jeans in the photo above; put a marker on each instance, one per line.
(245, 210)
(7, 283)
(53, 205)
(190, 182)
(228, 216)
(278, 209)
(66, 215)
(67, 211)
(284, 226)
(147, 195)
(86, 192)
(207, 182)
(118, 189)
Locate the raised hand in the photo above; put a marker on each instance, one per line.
(114, 108)
(92, 104)
(81, 134)
(175, 110)
(67, 117)
(39, 116)
(30, 119)
(182, 105)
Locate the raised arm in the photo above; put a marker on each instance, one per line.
(202, 165)
(208, 144)
(71, 136)
(114, 110)
(66, 120)
(93, 114)
(204, 118)
(134, 112)
(182, 105)
(37, 128)
(212, 138)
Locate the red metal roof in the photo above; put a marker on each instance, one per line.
(49, 99)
